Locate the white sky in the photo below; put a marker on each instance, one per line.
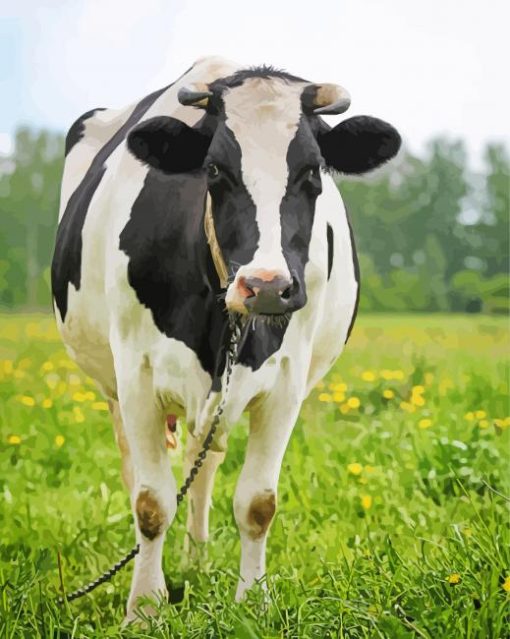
(429, 67)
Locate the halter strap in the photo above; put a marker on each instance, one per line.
(212, 240)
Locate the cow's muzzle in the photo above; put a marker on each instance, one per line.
(266, 293)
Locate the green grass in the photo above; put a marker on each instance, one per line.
(380, 506)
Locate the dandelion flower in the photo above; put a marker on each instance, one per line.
(469, 416)
(59, 441)
(368, 376)
(47, 366)
(388, 394)
(344, 408)
(26, 400)
(79, 396)
(353, 402)
(100, 406)
(506, 584)
(338, 396)
(366, 502)
(424, 423)
(454, 579)
(355, 468)
(46, 403)
(14, 439)
(325, 397)
(483, 423)
(78, 415)
(480, 414)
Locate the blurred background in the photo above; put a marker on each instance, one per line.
(432, 229)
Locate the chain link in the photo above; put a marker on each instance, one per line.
(235, 337)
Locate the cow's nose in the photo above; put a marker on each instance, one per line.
(266, 296)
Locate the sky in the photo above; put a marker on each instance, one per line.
(430, 68)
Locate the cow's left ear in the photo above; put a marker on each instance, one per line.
(359, 144)
(169, 145)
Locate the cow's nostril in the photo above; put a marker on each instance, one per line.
(245, 288)
(285, 294)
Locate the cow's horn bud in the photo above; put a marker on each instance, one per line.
(326, 99)
(196, 95)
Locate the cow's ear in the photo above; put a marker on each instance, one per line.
(359, 144)
(169, 145)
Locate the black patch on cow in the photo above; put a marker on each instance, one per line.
(234, 211)
(358, 144)
(330, 238)
(170, 266)
(355, 262)
(75, 133)
(66, 265)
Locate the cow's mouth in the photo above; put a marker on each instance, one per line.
(279, 320)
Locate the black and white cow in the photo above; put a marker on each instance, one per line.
(141, 285)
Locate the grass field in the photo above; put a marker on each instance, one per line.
(392, 520)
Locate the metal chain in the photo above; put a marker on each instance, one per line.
(235, 337)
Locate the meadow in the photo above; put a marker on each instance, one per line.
(393, 516)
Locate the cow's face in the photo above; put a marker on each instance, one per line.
(261, 146)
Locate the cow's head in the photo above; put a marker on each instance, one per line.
(262, 145)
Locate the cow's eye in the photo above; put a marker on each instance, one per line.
(212, 170)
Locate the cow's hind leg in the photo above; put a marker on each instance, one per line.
(201, 489)
(255, 498)
(120, 436)
(153, 496)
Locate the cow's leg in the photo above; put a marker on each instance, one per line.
(255, 498)
(201, 489)
(153, 497)
(120, 436)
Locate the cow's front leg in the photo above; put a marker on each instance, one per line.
(255, 499)
(153, 497)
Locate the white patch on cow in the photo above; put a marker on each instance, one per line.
(263, 114)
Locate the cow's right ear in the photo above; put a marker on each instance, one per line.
(169, 145)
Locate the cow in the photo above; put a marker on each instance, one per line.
(210, 199)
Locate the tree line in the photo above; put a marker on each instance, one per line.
(432, 235)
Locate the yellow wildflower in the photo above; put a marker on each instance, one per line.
(78, 415)
(425, 423)
(506, 584)
(47, 403)
(418, 390)
(366, 502)
(344, 408)
(79, 396)
(398, 375)
(353, 402)
(100, 406)
(386, 374)
(26, 400)
(388, 393)
(90, 396)
(59, 441)
(355, 468)
(47, 366)
(338, 397)
(469, 416)
(480, 414)
(368, 376)
(454, 579)
(418, 400)
(409, 408)
(14, 439)
(8, 366)
(325, 397)
(483, 423)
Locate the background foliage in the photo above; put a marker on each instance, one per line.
(432, 234)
